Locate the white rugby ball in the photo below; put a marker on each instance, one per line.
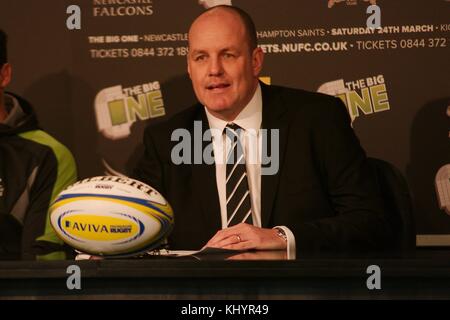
(111, 216)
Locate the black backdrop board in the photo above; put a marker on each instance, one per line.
(97, 88)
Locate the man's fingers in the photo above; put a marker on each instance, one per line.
(225, 233)
(230, 238)
(244, 245)
(236, 230)
(216, 239)
(221, 242)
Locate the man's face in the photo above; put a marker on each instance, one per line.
(223, 71)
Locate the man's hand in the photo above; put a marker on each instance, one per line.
(244, 237)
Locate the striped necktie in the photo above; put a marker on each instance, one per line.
(239, 207)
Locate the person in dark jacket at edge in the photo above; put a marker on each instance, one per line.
(34, 168)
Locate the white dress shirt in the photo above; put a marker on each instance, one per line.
(249, 120)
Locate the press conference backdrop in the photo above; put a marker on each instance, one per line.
(98, 87)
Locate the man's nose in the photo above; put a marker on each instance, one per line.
(215, 67)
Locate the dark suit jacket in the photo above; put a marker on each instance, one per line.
(324, 191)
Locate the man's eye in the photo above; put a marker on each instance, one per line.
(199, 58)
(228, 55)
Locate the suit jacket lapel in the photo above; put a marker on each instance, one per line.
(274, 116)
(205, 185)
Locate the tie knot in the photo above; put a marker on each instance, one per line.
(233, 126)
(233, 131)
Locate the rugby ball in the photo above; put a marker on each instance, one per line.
(111, 216)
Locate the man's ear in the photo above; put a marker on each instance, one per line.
(257, 61)
(5, 75)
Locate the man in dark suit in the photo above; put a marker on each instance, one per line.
(321, 195)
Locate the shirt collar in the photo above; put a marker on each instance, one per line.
(249, 118)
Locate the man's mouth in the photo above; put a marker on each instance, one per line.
(217, 86)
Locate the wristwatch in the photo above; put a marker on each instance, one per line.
(281, 234)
